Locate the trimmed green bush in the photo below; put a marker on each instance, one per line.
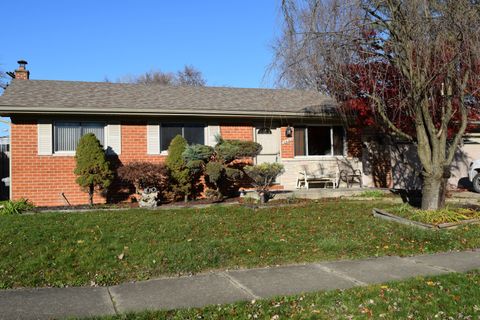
(262, 176)
(92, 170)
(198, 152)
(230, 150)
(196, 157)
(214, 171)
(223, 171)
(180, 180)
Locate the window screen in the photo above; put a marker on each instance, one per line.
(338, 141)
(319, 141)
(168, 132)
(67, 134)
(299, 139)
(193, 133)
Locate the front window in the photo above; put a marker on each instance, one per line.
(319, 141)
(193, 133)
(68, 134)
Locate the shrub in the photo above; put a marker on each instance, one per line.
(222, 171)
(180, 180)
(15, 207)
(196, 156)
(214, 195)
(144, 175)
(214, 172)
(262, 176)
(230, 150)
(198, 152)
(93, 169)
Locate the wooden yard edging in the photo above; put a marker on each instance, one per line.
(442, 226)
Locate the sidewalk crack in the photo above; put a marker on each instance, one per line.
(238, 285)
(412, 259)
(114, 305)
(341, 275)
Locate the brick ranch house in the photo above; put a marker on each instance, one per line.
(137, 122)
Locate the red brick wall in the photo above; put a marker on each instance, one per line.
(287, 145)
(42, 179)
(237, 131)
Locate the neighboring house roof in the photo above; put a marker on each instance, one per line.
(74, 97)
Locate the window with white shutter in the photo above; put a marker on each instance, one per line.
(66, 135)
(44, 143)
(114, 138)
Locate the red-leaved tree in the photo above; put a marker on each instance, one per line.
(410, 67)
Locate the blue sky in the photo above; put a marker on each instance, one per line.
(88, 40)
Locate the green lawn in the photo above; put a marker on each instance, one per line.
(57, 249)
(452, 296)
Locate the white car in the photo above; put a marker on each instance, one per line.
(474, 174)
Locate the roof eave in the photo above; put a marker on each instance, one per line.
(16, 110)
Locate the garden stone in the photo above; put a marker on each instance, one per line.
(149, 198)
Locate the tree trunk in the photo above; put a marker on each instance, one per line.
(90, 195)
(433, 193)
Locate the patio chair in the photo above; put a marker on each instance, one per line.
(349, 173)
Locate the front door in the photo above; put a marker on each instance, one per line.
(269, 138)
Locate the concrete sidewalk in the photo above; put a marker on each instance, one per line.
(225, 286)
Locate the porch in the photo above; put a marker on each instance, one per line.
(336, 172)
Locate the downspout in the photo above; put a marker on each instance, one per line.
(9, 157)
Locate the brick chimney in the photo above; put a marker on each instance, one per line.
(22, 73)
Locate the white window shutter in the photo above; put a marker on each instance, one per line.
(212, 132)
(153, 138)
(114, 138)
(45, 137)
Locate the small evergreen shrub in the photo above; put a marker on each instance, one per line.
(92, 169)
(144, 175)
(196, 156)
(214, 172)
(223, 171)
(214, 195)
(230, 150)
(180, 179)
(198, 152)
(262, 177)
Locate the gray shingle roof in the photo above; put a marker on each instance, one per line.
(74, 97)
